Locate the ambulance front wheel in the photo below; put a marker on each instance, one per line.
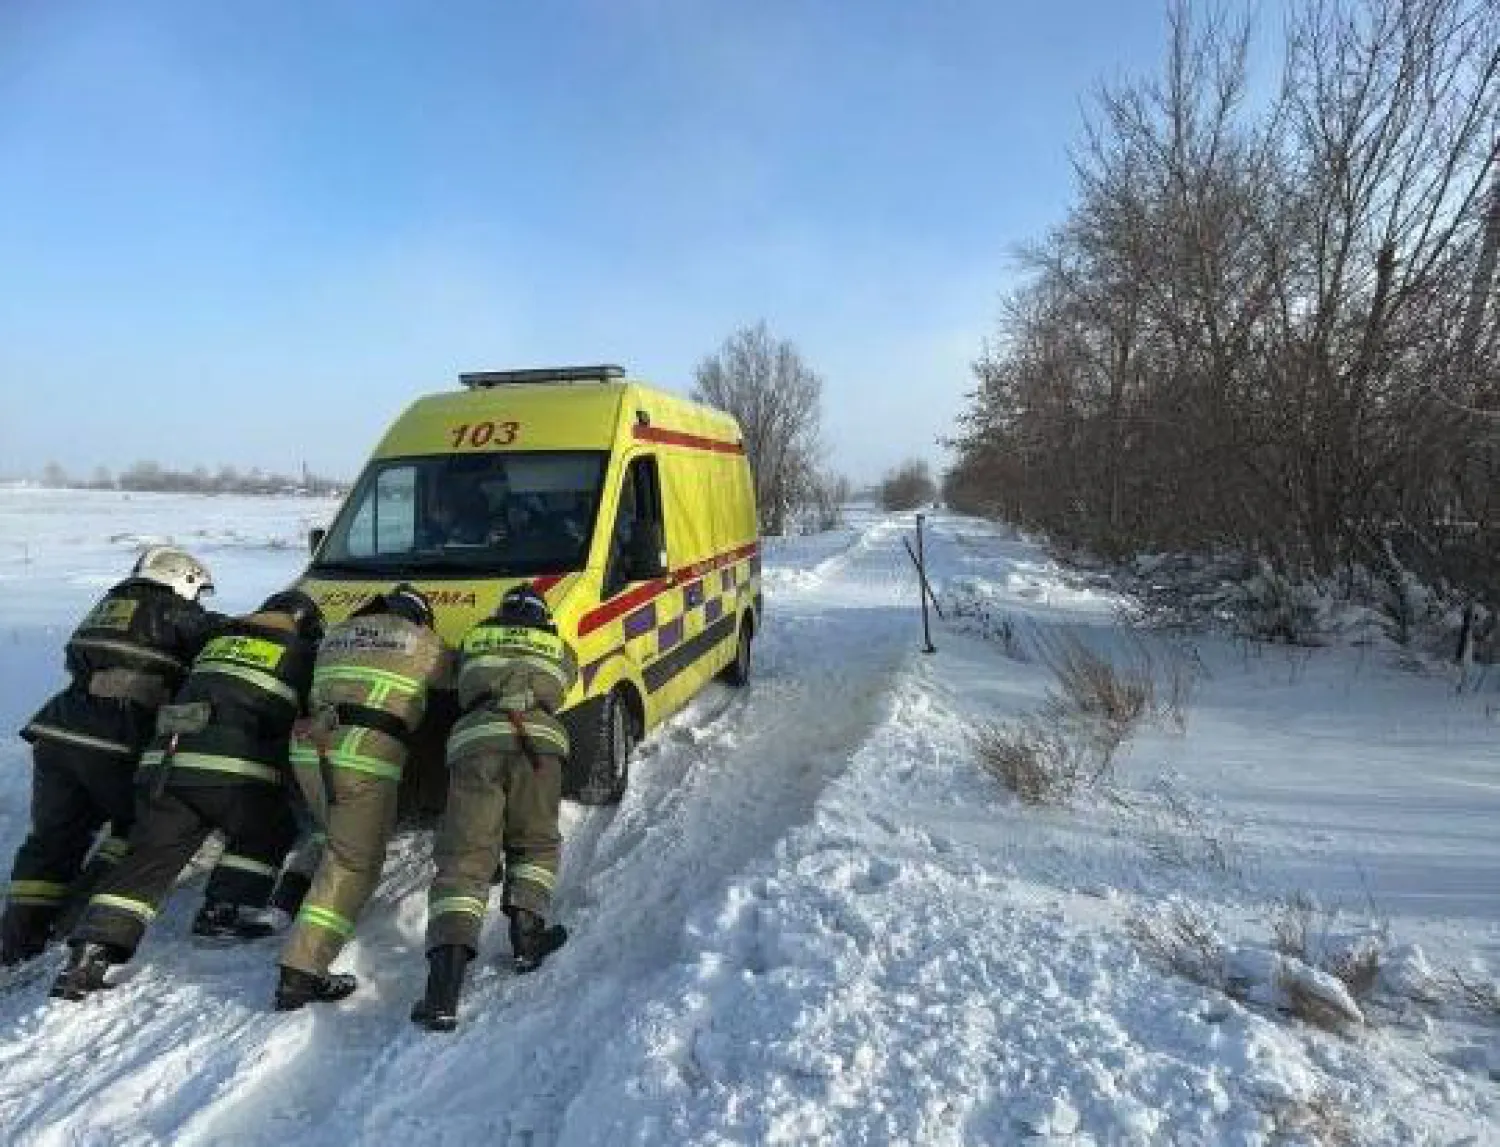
(603, 732)
(737, 672)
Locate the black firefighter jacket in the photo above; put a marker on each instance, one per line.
(126, 658)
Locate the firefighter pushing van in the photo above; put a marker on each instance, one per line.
(126, 658)
(369, 694)
(218, 762)
(505, 761)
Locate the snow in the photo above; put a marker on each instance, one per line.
(814, 920)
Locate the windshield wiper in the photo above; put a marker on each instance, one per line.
(444, 564)
(344, 567)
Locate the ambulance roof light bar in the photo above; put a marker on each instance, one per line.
(605, 372)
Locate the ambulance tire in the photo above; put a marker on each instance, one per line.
(737, 672)
(603, 733)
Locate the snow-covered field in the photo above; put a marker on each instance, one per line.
(813, 919)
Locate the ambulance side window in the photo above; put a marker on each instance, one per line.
(386, 520)
(636, 541)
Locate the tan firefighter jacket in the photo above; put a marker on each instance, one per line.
(511, 683)
(369, 693)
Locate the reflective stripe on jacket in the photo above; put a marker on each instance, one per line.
(254, 677)
(379, 662)
(511, 683)
(517, 666)
(357, 749)
(488, 728)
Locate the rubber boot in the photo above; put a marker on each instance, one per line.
(532, 940)
(438, 1009)
(297, 987)
(224, 921)
(87, 965)
(24, 932)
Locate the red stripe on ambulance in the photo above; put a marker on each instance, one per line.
(691, 441)
(651, 590)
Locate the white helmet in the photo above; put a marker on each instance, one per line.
(176, 569)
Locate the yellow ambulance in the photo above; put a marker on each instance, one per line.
(632, 510)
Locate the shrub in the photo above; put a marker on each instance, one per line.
(1041, 764)
(1315, 1001)
(972, 608)
(1284, 980)
(1070, 742)
(1321, 1118)
(908, 487)
(1102, 700)
(1303, 931)
(1185, 943)
(1278, 609)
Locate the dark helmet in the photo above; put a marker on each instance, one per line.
(407, 601)
(301, 608)
(523, 605)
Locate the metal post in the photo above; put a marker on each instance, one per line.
(927, 647)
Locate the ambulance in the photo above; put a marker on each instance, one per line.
(630, 509)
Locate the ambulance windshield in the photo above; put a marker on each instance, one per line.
(501, 514)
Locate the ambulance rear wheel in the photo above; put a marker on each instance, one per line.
(601, 754)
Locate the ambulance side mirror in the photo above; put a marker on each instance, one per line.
(315, 538)
(646, 557)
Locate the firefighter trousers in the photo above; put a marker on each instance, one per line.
(74, 792)
(499, 805)
(173, 824)
(356, 812)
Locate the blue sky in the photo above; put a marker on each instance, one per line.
(250, 233)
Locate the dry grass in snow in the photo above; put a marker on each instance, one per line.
(1092, 708)
(1187, 944)
(1482, 996)
(1302, 930)
(1322, 1119)
(1037, 760)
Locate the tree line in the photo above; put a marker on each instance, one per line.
(154, 477)
(1269, 319)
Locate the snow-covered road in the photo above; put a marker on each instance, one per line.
(812, 920)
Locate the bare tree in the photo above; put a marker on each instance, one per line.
(764, 382)
(830, 494)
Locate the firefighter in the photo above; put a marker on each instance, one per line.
(218, 762)
(505, 762)
(126, 658)
(369, 694)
